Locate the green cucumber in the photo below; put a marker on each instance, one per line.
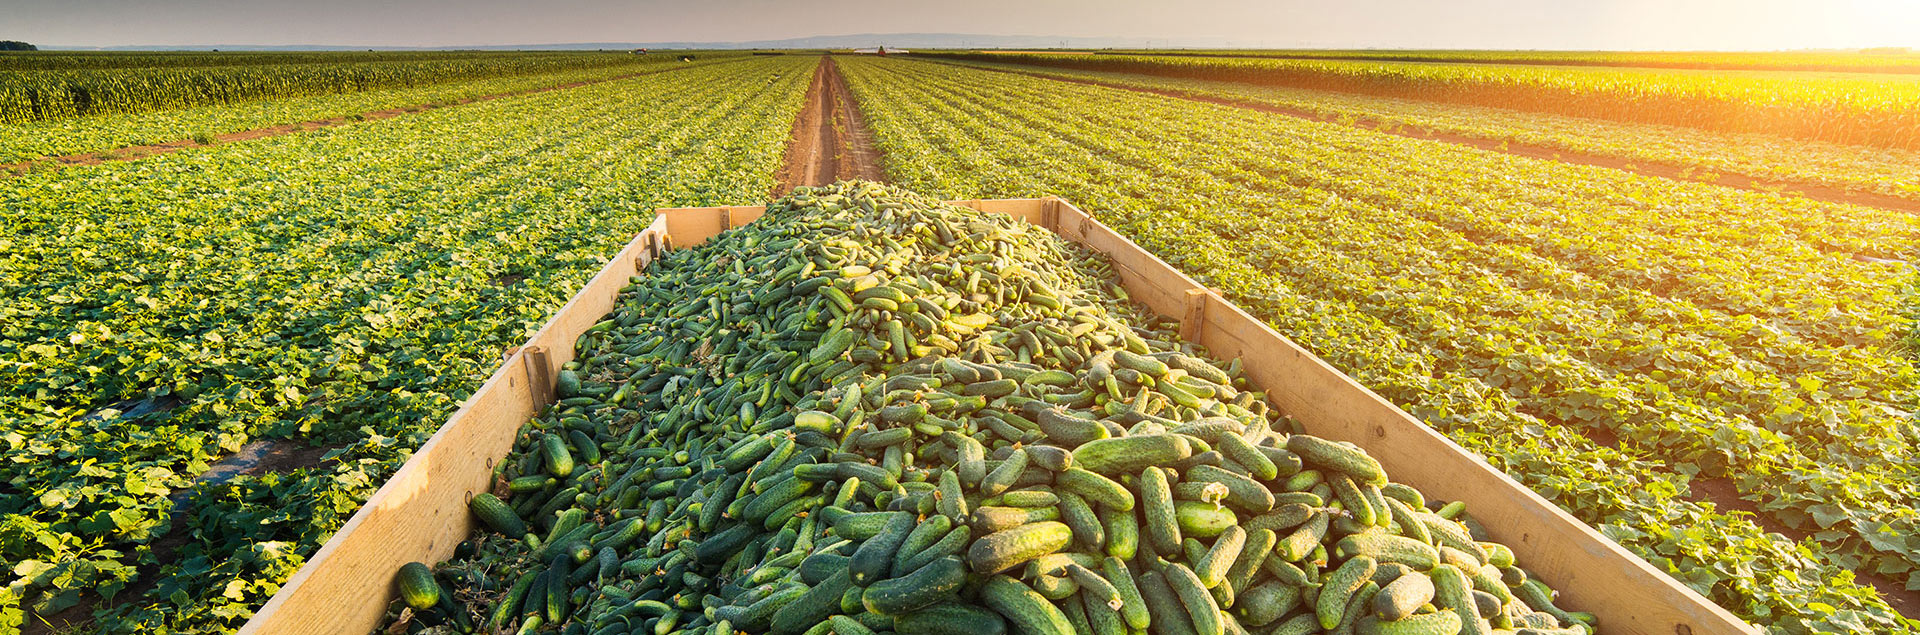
(1027, 610)
(417, 586)
(871, 561)
(1003, 550)
(495, 513)
(931, 584)
(1337, 457)
(1199, 604)
(1203, 520)
(1095, 488)
(1338, 588)
(1157, 508)
(950, 619)
(1130, 454)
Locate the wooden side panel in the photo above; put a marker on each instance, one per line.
(421, 512)
(691, 226)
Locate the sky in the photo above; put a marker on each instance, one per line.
(1494, 24)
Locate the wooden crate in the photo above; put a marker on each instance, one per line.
(421, 513)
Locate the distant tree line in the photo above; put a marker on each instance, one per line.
(14, 45)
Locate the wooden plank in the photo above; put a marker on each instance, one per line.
(421, 512)
(691, 226)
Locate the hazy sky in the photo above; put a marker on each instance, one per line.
(1573, 24)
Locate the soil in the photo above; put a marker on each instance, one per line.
(855, 156)
(143, 151)
(809, 154)
(256, 458)
(830, 140)
(1814, 191)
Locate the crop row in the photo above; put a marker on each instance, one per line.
(104, 133)
(1885, 61)
(1733, 157)
(27, 96)
(344, 288)
(1872, 110)
(1517, 305)
(79, 60)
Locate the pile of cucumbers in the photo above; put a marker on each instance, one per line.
(869, 411)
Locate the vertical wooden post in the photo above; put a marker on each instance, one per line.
(1196, 316)
(539, 374)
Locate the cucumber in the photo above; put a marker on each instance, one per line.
(815, 604)
(1133, 608)
(1003, 476)
(951, 544)
(1259, 545)
(924, 535)
(1029, 613)
(567, 384)
(950, 619)
(1102, 618)
(1295, 546)
(990, 519)
(1452, 592)
(1399, 599)
(494, 513)
(1047, 457)
(1212, 567)
(1068, 430)
(1172, 618)
(1095, 488)
(1242, 492)
(871, 560)
(1442, 623)
(1199, 604)
(1123, 534)
(1157, 511)
(1340, 458)
(1244, 453)
(931, 584)
(556, 456)
(862, 526)
(1130, 454)
(1003, 550)
(1385, 547)
(1339, 587)
(1088, 532)
(1267, 603)
(1203, 520)
(417, 586)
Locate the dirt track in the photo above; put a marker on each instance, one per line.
(129, 153)
(830, 141)
(1815, 191)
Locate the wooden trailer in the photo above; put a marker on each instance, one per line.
(420, 514)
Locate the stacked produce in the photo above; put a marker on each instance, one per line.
(871, 412)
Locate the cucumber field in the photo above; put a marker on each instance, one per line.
(1672, 294)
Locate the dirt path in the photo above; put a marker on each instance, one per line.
(809, 158)
(130, 153)
(855, 155)
(830, 140)
(1814, 191)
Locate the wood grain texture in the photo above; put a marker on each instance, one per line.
(421, 514)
